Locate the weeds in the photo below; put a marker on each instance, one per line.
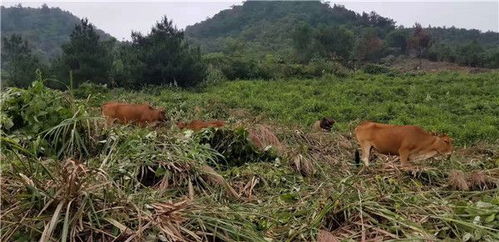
(65, 179)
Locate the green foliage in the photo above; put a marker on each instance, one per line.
(234, 147)
(471, 54)
(328, 42)
(90, 90)
(375, 69)
(54, 122)
(274, 27)
(100, 194)
(369, 46)
(441, 52)
(86, 56)
(294, 30)
(484, 213)
(36, 108)
(302, 42)
(18, 62)
(398, 39)
(334, 42)
(493, 59)
(166, 58)
(46, 29)
(463, 106)
(269, 67)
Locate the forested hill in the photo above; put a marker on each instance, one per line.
(268, 25)
(262, 25)
(46, 29)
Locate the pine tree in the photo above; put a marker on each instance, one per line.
(166, 58)
(86, 56)
(18, 61)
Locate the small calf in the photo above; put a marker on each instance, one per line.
(324, 124)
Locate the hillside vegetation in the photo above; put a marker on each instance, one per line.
(268, 40)
(45, 29)
(268, 25)
(292, 29)
(65, 176)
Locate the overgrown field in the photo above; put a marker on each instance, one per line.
(67, 178)
(464, 106)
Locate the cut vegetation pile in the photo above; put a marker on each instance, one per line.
(65, 178)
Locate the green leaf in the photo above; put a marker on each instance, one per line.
(288, 197)
(490, 218)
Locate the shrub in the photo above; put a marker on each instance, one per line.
(53, 122)
(376, 69)
(36, 108)
(235, 147)
(166, 58)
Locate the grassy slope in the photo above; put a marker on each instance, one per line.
(464, 106)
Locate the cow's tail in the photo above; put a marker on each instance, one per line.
(357, 157)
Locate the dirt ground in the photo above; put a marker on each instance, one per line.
(411, 64)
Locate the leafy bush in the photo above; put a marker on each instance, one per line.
(375, 69)
(237, 67)
(235, 147)
(90, 89)
(36, 108)
(85, 55)
(53, 122)
(166, 58)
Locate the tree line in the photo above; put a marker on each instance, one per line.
(166, 57)
(339, 43)
(162, 57)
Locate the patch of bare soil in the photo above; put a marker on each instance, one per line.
(411, 65)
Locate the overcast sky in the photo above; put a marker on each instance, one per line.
(119, 18)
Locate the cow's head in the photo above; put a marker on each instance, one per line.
(160, 114)
(181, 125)
(327, 123)
(444, 144)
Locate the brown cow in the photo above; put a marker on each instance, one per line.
(324, 124)
(125, 113)
(197, 125)
(409, 142)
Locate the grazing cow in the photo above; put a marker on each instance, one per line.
(197, 125)
(409, 142)
(325, 124)
(125, 113)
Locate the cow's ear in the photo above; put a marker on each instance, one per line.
(446, 139)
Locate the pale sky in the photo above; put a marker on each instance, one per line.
(120, 17)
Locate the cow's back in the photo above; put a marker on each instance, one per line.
(129, 113)
(109, 109)
(125, 112)
(387, 138)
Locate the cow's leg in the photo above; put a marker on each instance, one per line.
(404, 157)
(109, 122)
(366, 149)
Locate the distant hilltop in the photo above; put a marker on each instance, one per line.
(46, 29)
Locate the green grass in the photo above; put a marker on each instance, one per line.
(73, 179)
(464, 106)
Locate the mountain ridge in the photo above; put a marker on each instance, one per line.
(45, 29)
